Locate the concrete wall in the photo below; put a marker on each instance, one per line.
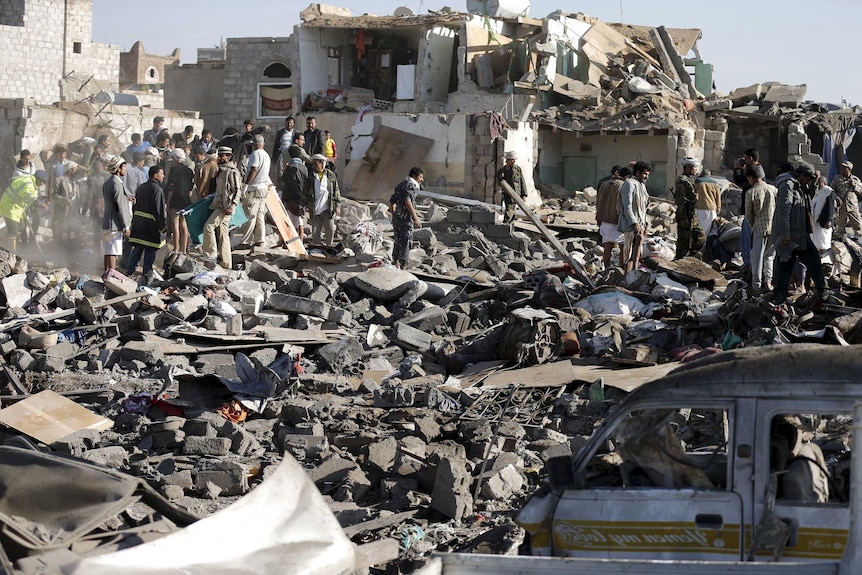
(135, 63)
(246, 60)
(38, 51)
(313, 44)
(198, 87)
(607, 150)
(24, 125)
(435, 65)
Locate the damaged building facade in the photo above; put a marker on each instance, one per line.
(452, 91)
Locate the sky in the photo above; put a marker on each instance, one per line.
(747, 42)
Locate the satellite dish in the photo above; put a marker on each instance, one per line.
(402, 11)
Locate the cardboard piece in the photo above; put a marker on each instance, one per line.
(285, 227)
(48, 416)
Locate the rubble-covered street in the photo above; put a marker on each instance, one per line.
(422, 403)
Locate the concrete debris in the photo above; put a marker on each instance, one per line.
(439, 391)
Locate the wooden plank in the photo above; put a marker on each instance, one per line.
(282, 221)
(576, 267)
(48, 416)
(388, 161)
(546, 375)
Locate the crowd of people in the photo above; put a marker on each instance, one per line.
(787, 226)
(139, 198)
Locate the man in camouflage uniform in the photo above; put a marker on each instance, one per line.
(847, 187)
(689, 232)
(511, 174)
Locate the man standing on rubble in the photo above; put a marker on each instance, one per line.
(847, 188)
(321, 196)
(633, 204)
(293, 184)
(512, 175)
(255, 189)
(759, 211)
(313, 137)
(608, 214)
(117, 220)
(686, 206)
(217, 227)
(708, 200)
(751, 157)
(793, 223)
(404, 217)
(149, 221)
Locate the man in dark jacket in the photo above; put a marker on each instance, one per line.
(181, 180)
(313, 137)
(148, 221)
(292, 184)
(793, 229)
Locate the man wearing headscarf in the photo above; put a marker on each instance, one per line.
(117, 221)
(217, 227)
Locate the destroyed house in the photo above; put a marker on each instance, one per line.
(591, 94)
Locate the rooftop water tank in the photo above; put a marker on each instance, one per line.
(499, 8)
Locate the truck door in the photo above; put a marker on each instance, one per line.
(662, 489)
(809, 455)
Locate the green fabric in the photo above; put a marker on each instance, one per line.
(199, 212)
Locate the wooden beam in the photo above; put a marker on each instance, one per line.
(576, 267)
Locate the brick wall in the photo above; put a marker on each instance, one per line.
(34, 56)
(246, 60)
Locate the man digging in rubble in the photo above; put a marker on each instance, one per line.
(608, 214)
(511, 174)
(217, 227)
(404, 216)
(689, 233)
(632, 222)
(321, 196)
(117, 221)
(847, 187)
(793, 223)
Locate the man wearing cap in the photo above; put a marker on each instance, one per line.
(321, 197)
(511, 174)
(255, 189)
(217, 227)
(21, 193)
(686, 210)
(148, 221)
(793, 229)
(181, 180)
(117, 220)
(847, 188)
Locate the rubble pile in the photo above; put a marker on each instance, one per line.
(424, 404)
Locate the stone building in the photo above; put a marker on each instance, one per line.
(142, 71)
(59, 86)
(43, 42)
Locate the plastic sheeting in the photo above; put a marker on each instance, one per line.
(283, 526)
(614, 303)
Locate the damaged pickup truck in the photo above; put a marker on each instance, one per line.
(740, 462)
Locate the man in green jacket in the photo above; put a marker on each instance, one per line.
(321, 197)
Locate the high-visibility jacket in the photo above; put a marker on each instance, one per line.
(19, 196)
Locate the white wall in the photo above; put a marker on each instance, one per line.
(436, 65)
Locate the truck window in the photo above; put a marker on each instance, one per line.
(666, 448)
(810, 453)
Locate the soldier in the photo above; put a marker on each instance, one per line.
(689, 232)
(511, 174)
(847, 187)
